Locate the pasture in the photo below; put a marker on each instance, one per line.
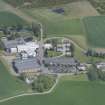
(8, 19)
(70, 91)
(95, 31)
(10, 85)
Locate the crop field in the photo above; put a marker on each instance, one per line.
(70, 91)
(95, 30)
(7, 18)
(10, 85)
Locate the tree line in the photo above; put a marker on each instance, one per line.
(93, 53)
(95, 75)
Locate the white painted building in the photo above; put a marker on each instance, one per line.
(48, 46)
(82, 67)
(28, 47)
(100, 65)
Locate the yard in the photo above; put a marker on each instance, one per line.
(95, 31)
(10, 85)
(76, 90)
(54, 53)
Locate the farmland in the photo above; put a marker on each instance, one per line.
(10, 85)
(7, 18)
(39, 3)
(71, 90)
(82, 24)
(95, 31)
(57, 25)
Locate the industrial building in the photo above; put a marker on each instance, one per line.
(61, 65)
(29, 65)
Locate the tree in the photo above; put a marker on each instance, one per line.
(54, 42)
(92, 73)
(72, 50)
(43, 82)
(36, 29)
(46, 53)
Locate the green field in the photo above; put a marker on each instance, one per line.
(39, 3)
(70, 91)
(95, 31)
(56, 24)
(8, 18)
(10, 85)
(64, 28)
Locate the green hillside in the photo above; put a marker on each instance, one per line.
(8, 18)
(38, 3)
(9, 85)
(68, 92)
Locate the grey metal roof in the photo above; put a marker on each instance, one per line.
(26, 64)
(60, 60)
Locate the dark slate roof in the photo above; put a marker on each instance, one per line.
(13, 43)
(26, 64)
(60, 60)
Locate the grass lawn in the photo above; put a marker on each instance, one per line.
(8, 19)
(95, 31)
(70, 92)
(10, 85)
(54, 53)
(80, 40)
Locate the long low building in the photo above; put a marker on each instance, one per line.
(60, 61)
(10, 46)
(29, 65)
(20, 45)
(61, 65)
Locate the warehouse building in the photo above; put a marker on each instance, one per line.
(29, 65)
(61, 65)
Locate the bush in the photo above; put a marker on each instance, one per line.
(92, 73)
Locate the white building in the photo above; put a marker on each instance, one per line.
(30, 46)
(100, 65)
(82, 67)
(48, 46)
